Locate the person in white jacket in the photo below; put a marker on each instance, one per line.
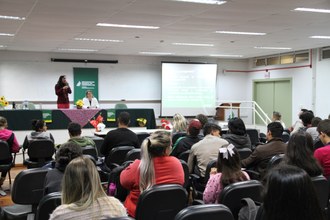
(90, 101)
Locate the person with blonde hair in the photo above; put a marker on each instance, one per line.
(155, 167)
(83, 196)
(179, 123)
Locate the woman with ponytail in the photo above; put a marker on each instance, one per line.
(155, 167)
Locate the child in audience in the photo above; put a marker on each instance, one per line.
(300, 153)
(290, 195)
(228, 171)
(83, 196)
(39, 133)
(155, 167)
(9, 137)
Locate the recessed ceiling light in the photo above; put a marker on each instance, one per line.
(12, 17)
(225, 55)
(99, 40)
(6, 34)
(211, 2)
(126, 26)
(320, 37)
(80, 50)
(239, 33)
(2, 46)
(273, 48)
(313, 10)
(155, 53)
(191, 44)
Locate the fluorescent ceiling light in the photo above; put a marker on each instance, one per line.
(99, 40)
(126, 26)
(320, 37)
(2, 46)
(239, 33)
(12, 17)
(211, 2)
(313, 10)
(225, 55)
(273, 48)
(190, 44)
(156, 53)
(6, 34)
(80, 50)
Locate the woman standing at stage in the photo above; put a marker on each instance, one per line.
(62, 90)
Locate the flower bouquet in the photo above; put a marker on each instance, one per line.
(98, 123)
(166, 124)
(142, 122)
(79, 104)
(3, 102)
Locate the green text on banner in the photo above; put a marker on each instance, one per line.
(85, 79)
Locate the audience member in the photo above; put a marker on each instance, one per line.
(8, 136)
(228, 171)
(75, 136)
(306, 119)
(205, 150)
(179, 123)
(237, 134)
(155, 167)
(39, 133)
(90, 101)
(83, 196)
(313, 129)
(260, 157)
(184, 143)
(290, 195)
(121, 136)
(323, 154)
(299, 124)
(277, 117)
(67, 152)
(300, 153)
(203, 120)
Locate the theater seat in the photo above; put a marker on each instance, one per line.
(40, 153)
(161, 202)
(133, 154)
(208, 212)
(5, 154)
(47, 205)
(117, 156)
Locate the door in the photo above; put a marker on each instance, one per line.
(274, 95)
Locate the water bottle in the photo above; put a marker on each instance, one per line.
(14, 105)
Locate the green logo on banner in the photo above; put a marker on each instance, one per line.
(111, 115)
(85, 79)
(47, 116)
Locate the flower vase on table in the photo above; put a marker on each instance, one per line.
(79, 104)
(3, 103)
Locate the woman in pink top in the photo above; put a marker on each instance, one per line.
(9, 137)
(228, 171)
(155, 167)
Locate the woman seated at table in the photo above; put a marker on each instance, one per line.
(39, 133)
(90, 101)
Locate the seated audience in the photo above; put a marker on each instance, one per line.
(237, 134)
(260, 157)
(306, 119)
(39, 133)
(184, 143)
(277, 117)
(313, 129)
(121, 136)
(9, 137)
(67, 152)
(75, 136)
(179, 123)
(290, 195)
(90, 101)
(205, 150)
(228, 171)
(83, 196)
(323, 154)
(203, 120)
(300, 153)
(299, 124)
(155, 167)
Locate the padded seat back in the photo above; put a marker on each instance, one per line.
(5, 153)
(90, 150)
(244, 153)
(322, 190)
(184, 155)
(133, 154)
(161, 202)
(41, 149)
(47, 205)
(141, 136)
(208, 212)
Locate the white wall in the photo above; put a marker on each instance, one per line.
(322, 99)
(137, 79)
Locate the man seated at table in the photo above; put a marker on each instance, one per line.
(75, 136)
(121, 136)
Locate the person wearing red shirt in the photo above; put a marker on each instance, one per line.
(155, 167)
(9, 137)
(323, 154)
(62, 90)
